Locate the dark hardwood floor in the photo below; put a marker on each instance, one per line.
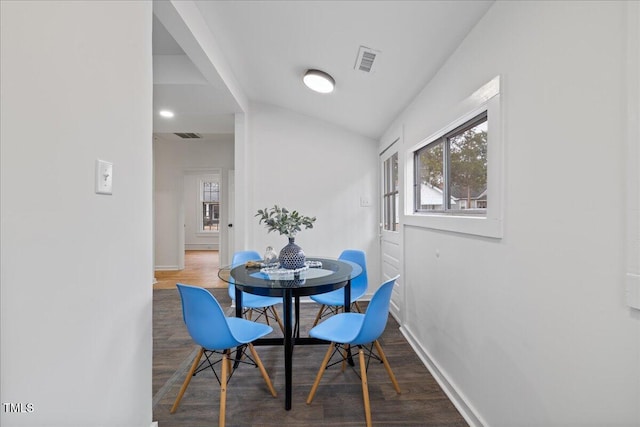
(338, 401)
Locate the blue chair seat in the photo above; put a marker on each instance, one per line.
(341, 328)
(216, 333)
(345, 330)
(263, 304)
(258, 301)
(332, 301)
(336, 298)
(244, 334)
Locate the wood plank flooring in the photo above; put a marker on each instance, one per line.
(338, 401)
(200, 269)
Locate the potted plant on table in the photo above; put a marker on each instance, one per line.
(287, 223)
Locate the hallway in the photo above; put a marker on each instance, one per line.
(200, 269)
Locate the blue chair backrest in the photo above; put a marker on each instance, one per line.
(360, 283)
(205, 319)
(240, 258)
(375, 318)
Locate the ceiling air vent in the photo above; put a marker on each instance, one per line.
(188, 135)
(366, 59)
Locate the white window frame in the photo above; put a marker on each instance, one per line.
(201, 231)
(445, 141)
(486, 98)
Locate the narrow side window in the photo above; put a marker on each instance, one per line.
(210, 206)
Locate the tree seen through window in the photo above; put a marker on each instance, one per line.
(451, 171)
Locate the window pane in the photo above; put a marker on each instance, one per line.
(387, 193)
(210, 216)
(468, 168)
(394, 172)
(430, 177)
(395, 183)
(210, 206)
(390, 202)
(210, 191)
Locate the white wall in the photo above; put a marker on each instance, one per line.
(76, 266)
(532, 329)
(319, 170)
(172, 159)
(633, 154)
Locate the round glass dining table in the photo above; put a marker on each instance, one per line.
(322, 275)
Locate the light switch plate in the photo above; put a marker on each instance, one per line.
(104, 177)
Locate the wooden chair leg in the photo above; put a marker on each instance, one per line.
(275, 314)
(323, 366)
(365, 388)
(187, 380)
(357, 306)
(250, 314)
(223, 387)
(263, 371)
(266, 315)
(387, 366)
(344, 357)
(315, 322)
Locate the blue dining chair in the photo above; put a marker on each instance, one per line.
(345, 330)
(330, 302)
(216, 333)
(250, 302)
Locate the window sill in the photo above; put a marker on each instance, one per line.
(207, 233)
(473, 225)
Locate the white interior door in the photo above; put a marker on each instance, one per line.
(390, 237)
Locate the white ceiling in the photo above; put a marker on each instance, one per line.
(268, 45)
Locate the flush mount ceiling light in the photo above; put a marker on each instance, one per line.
(319, 81)
(166, 114)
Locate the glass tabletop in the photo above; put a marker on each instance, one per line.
(323, 275)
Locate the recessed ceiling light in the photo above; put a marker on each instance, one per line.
(166, 113)
(319, 81)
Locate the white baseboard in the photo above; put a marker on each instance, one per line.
(167, 268)
(154, 424)
(396, 315)
(201, 247)
(465, 409)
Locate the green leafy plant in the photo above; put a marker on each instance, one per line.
(284, 221)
